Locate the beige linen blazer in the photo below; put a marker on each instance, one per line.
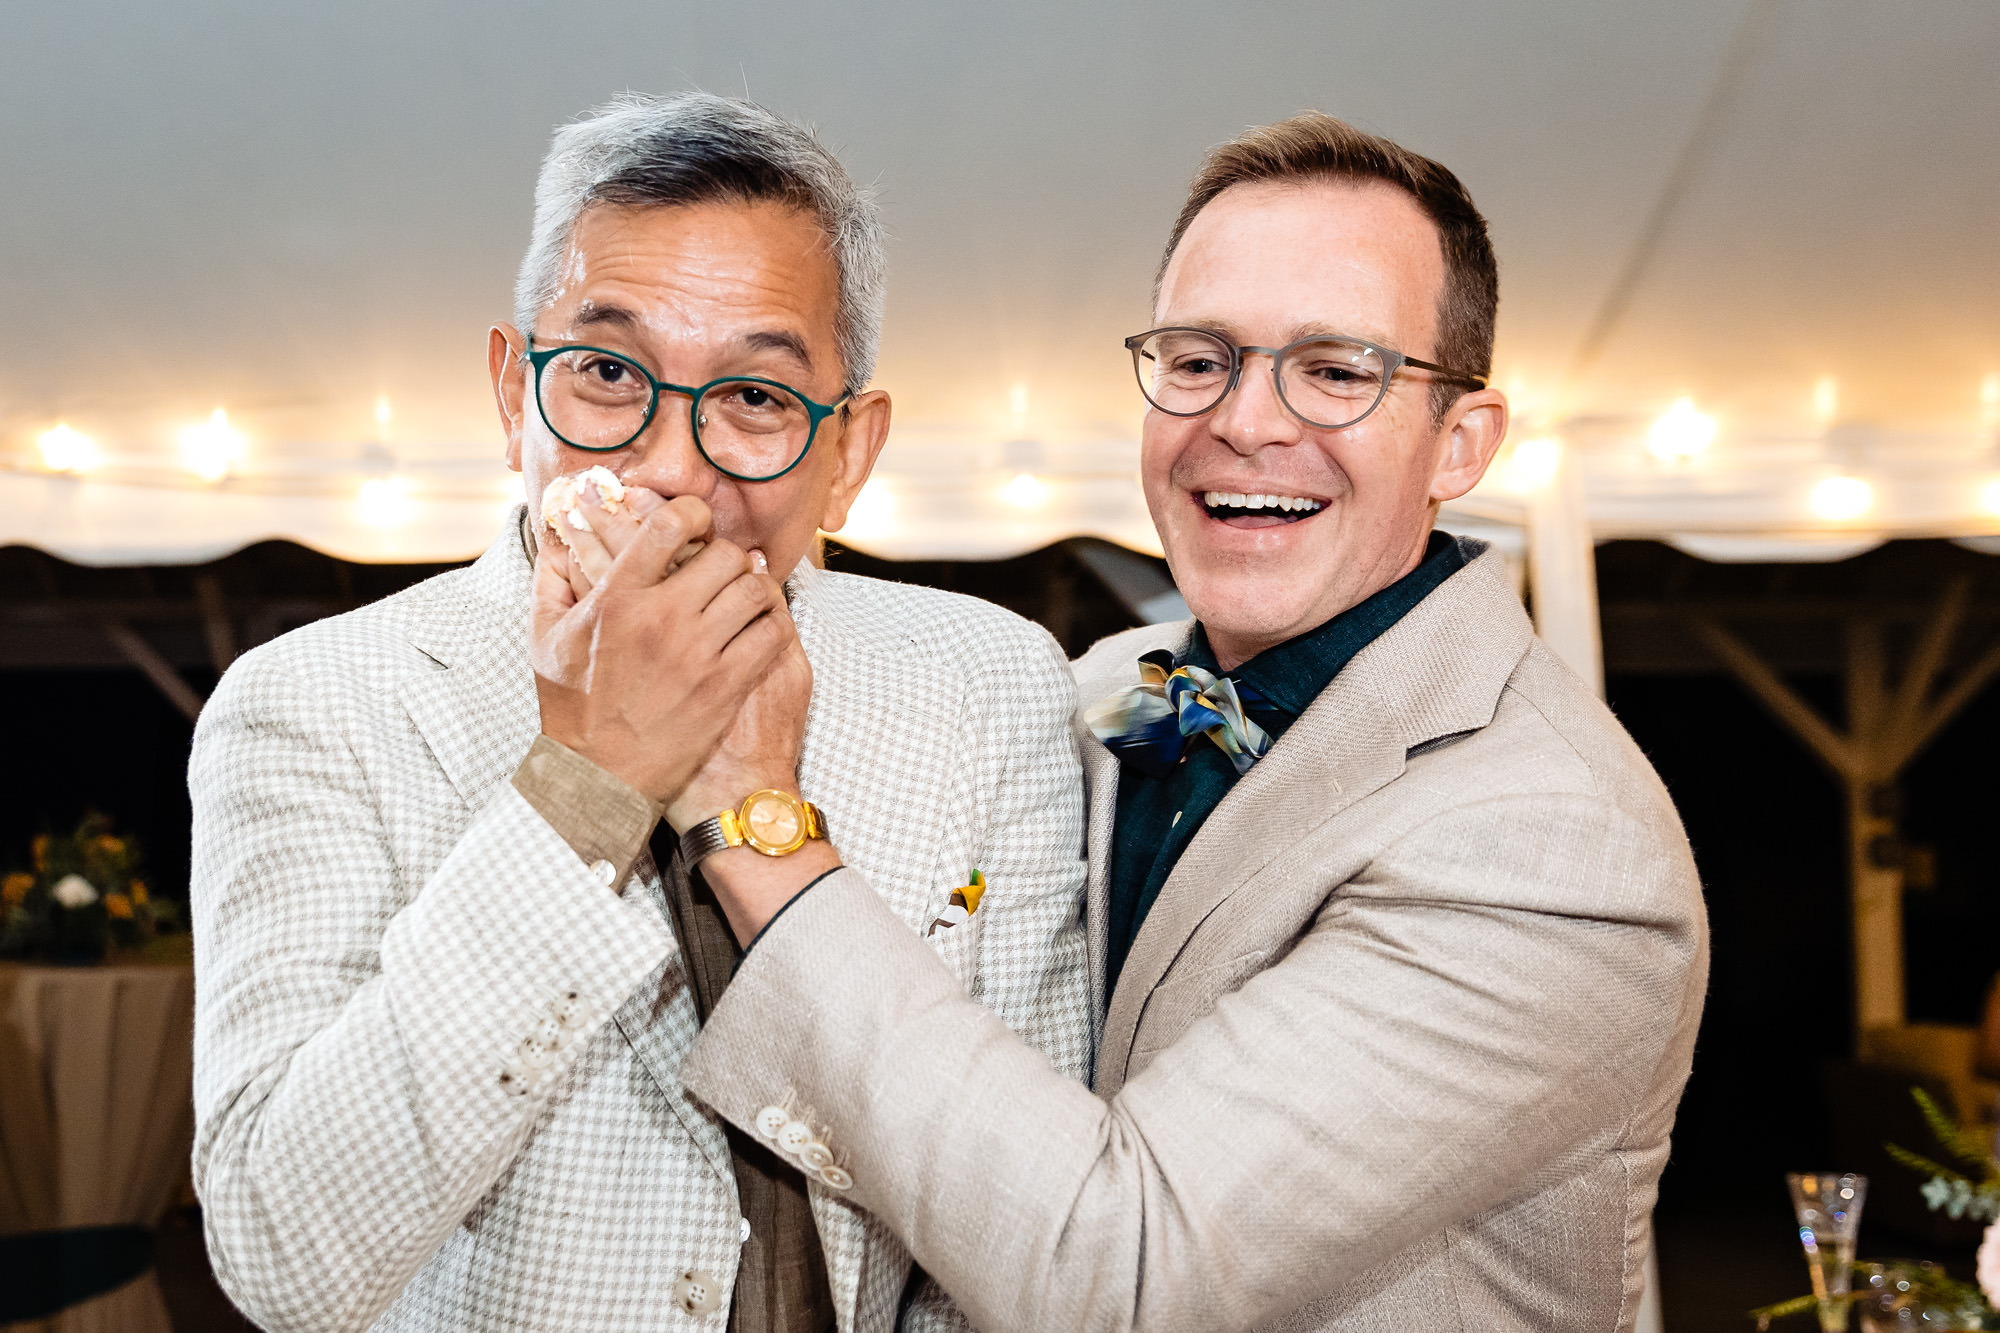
(1398, 1047)
(384, 929)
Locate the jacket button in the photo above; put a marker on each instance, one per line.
(836, 1179)
(794, 1136)
(816, 1156)
(697, 1292)
(770, 1120)
(605, 872)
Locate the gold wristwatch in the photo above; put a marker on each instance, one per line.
(773, 822)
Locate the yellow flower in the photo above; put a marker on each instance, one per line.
(40, 846)
(139, 892)
(118, 905)
(111, 846)
(14, 889)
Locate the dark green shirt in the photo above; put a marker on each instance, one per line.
(1159, 816)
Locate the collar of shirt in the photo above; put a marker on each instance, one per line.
(1294, 673)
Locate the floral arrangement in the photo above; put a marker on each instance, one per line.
(1922, 1289)
(83, 898)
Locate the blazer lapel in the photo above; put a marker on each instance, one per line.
(477, 712)
(1100, 785)
(1436, 672)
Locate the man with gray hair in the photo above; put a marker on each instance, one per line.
(450, 955)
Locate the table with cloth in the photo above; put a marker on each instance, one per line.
(96, 1118)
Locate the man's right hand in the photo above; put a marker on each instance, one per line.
(643, 672)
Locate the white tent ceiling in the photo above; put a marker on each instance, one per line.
(307, 215)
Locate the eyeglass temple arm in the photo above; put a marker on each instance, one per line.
(1435, 368)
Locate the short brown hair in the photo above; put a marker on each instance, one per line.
(1312, 146)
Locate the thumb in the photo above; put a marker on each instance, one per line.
(554, 594)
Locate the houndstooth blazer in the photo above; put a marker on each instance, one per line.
(383, 927)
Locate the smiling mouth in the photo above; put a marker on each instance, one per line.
(1241, 510)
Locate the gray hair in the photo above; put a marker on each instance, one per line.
(691, 148)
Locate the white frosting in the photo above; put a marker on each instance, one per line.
(563, 501)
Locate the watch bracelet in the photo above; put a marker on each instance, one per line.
(703, 840)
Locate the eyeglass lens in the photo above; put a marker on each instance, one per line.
(1329, 382)
(595, 400)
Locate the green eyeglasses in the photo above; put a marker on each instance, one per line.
(747, 427)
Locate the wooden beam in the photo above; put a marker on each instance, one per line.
(156, 667)
(1962, 692)
(1867, 693)
(1929, 657)
(1833, 749)
(215, 619)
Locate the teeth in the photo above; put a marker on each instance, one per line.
(1238, 500)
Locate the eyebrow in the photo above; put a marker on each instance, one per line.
(591, 315)
(779, 340)
(783, 341)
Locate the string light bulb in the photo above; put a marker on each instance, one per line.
(1989, 401)
(1532, 466)
(873, 513)
(384, 502)
(1839, 499)
(1680, 433)
(212, 449)
(66, 450)
(1025, 491)
(1989, 498)
(1826, 400)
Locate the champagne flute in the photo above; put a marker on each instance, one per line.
(1829, 1212)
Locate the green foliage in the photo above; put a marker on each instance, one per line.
(1764, 1314)
(83, 896)
(1963, 1144)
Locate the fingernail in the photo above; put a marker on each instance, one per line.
(758, 562)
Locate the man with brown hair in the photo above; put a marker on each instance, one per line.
(1403, 946)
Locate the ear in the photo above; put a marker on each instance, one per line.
(1468, 439)
(856, 446)
(507, 365)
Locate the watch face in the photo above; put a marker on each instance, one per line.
(774, 821)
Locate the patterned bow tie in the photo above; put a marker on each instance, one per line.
(1149, 725)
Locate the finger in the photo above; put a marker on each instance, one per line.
(647, 558)
(754, 650)
(613, 529)
(566, 561)
(554, 594)
(702, 577)
(639, 502)
(591, 554)
(736, 606)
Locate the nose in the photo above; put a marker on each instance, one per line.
(1252, 416)
(664, 457)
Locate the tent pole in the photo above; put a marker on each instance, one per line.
(1562, 572)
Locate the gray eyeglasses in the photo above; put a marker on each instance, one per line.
(1329, 382)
